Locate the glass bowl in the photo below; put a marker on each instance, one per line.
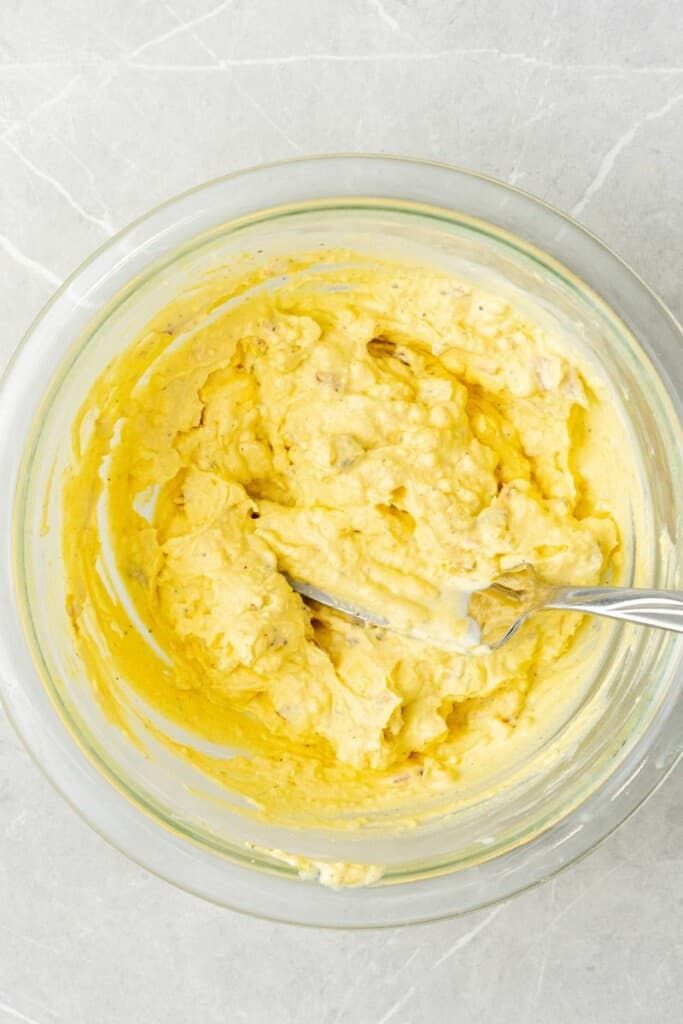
(624, 733)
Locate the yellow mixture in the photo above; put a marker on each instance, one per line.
(386, 433)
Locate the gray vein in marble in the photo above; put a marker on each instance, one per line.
(104, 223)
(398, 1005)
(387, 17)
(469, 936)
(29, 263)
(41, 108)
(344, 58)
(241, 89)
(609, 159)
(181, 26)
(407, 56)
(15, 1014)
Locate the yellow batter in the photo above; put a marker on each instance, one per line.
(385, 432)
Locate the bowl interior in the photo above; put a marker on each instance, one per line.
(609, 711)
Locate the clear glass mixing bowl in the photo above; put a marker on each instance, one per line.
(624, 734)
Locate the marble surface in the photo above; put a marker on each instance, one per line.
(107, 107)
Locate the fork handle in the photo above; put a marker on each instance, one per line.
(660, 608)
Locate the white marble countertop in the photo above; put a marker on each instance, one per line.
(108, 107)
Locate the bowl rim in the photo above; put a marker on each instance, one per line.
(641, 781)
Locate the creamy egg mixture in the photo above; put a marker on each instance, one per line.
(383, 431)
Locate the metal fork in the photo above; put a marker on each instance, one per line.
(525, 594)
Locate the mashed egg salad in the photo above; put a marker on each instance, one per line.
(385, 432)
